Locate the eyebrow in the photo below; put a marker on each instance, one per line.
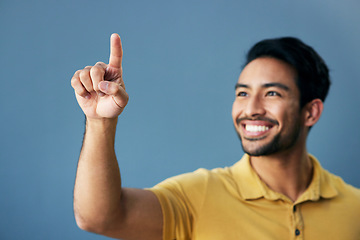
(266, 85)
(239, 85)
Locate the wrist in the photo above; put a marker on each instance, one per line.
(102, 124)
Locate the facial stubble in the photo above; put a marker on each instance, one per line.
(277, 144)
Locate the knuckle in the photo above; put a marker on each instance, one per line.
(117, 88)
(97, 70)
(84, 73)
(74, 81)
(76, 74)
(100, 64)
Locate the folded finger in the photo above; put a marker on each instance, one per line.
(97, 73)
(85, 79)
(78, 87)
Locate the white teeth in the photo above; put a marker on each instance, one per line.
(255, 128)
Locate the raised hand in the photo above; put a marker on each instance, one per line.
(100, 89)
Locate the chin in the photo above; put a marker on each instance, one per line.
(258, 152)
(255, 149)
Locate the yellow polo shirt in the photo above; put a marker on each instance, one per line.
(233, 203)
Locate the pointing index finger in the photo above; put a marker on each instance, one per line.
(115, 51)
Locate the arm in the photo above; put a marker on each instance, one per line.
(101, 205)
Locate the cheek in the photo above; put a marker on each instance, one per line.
(289, 117)
(235, 111)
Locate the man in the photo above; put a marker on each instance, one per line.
(276, 191)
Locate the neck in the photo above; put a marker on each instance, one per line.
(289, 173)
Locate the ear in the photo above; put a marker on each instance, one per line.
(313, 111)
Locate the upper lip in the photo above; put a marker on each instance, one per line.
(257, 121)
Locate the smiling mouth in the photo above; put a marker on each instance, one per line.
(252, 132)
(256, 128)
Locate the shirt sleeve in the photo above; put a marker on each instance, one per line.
(181, 198)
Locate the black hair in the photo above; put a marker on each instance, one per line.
(313, 78)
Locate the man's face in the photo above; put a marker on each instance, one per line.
(266, 111)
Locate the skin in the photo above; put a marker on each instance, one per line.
(267, 96)
(103, 206)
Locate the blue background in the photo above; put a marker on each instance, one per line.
(181, 61)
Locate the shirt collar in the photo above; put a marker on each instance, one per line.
(251, 187)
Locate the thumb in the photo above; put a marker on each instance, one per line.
(115, 90)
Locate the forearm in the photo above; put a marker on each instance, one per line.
(97, 191)
(100, 204)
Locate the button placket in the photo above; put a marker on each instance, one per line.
(298, 222)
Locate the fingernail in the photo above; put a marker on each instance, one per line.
(101, 94)
(104, 85)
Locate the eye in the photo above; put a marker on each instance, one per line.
(241, 94)
(273, 94)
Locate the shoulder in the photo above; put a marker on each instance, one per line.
(198, 179)
(197, 184)
(346, 192)
(184, 194)
(347, 189)
(332, 185)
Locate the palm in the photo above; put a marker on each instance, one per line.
(99, 106)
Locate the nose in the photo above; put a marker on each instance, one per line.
(254, 107)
